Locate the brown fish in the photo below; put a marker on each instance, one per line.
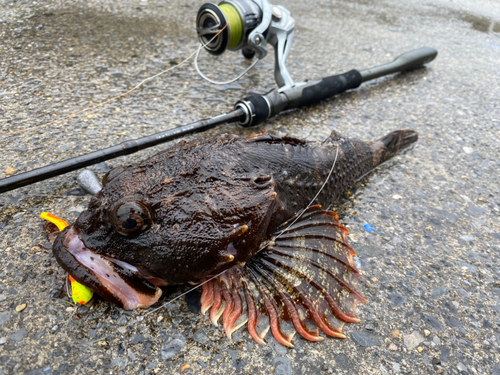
(240, 205)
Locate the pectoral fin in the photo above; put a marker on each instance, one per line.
(303, 281)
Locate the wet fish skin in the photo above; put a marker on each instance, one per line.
(208, 204)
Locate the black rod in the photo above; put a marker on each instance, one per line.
(125, 148)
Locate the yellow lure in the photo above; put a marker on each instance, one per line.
(60, 223)
(80, 293)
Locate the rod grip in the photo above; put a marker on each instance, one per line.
(328, 87)
(261, 107)
(405, 62)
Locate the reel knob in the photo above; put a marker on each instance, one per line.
(248, 53)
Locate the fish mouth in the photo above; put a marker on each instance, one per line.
(114, 280)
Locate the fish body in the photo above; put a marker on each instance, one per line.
(247, 206)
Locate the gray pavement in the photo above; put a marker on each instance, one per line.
(431, 264)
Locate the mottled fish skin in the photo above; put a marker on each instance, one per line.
(209, 205)
(218, 195)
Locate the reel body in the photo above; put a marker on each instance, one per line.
(248, 25)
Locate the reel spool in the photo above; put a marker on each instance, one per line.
(248, 25)
(240, 19)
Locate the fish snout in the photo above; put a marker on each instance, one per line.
(115, 281)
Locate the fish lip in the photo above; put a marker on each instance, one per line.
(111, 280)
(156, 281)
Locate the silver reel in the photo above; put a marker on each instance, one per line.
(249, 25)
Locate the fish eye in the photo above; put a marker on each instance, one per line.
(131, 218)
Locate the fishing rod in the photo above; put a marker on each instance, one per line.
(247, 25)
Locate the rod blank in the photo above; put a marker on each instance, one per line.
(125, 148)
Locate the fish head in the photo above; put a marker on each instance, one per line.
(141, 233)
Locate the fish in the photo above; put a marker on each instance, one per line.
(245, 217)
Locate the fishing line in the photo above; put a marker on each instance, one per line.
(236, 26)
(68, 287)
(218, 82)
(125, 93)
(141, 317)
(183, 294)
(310, 203)
(208, 16)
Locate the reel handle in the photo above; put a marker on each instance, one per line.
(259, 108)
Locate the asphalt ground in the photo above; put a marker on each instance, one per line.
(431, 263)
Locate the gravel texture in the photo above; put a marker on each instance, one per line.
(431, 251)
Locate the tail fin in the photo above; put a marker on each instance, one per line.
(389, 146)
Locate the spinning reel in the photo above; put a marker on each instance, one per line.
(248, 25)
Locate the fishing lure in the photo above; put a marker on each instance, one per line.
(80, 293)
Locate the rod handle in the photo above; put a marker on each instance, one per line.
(261, 107)
(315, 91)
(407, 61)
